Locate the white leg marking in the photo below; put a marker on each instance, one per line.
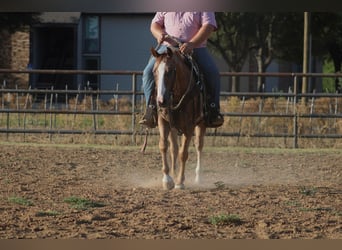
(197, 178)
(198, 169)
(168, 182)
(180, 186)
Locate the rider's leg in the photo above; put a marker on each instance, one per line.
(150, 117)
(212, 79)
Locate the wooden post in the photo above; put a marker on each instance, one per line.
(295, 114)
(305, 54)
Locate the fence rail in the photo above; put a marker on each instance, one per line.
(14, 114)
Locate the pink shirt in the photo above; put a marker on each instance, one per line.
(184, 25)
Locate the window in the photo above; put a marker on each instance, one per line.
(91, 49)
(91, 34)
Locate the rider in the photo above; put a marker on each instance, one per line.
(192, 29)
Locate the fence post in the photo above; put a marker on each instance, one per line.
(45, 108)
(3, 107)
(311, 112)
(75, 106)
(66, 97)
(97, 106)
(335, 111)
(25, 107)
(94, 114)
(17, 104)
(116, 98)
(240, 120)
(295, 115)
(7, 124)
(51, 103)
(134, 80)
(2, 96)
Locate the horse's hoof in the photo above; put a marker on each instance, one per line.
(180, 186)
(168, 183)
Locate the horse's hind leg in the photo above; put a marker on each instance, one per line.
(164, 131)
(199, 143)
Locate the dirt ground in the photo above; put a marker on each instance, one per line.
(246, 193)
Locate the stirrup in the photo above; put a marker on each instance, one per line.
(214, 118)
(215, 122)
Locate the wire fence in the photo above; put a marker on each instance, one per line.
(247, 114)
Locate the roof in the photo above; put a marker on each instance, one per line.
(60, 17)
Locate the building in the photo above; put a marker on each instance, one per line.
(14, 54)
(89, 41)
(100, 41)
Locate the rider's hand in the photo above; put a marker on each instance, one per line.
(187, 48)
(161, 37)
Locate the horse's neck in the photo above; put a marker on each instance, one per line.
(183, 78)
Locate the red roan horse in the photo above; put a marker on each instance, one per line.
(180, 111)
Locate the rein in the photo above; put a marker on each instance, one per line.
(190, 86)
(167, 113)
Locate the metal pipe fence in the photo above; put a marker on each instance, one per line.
(18, 104)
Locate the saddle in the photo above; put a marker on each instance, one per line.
(208, 111)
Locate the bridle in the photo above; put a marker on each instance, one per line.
(167, 111)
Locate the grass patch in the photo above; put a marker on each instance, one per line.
(293, 204)
(20, 201)
(47, 213)
(225, 219)
(308, 191)
(219, 185)
(324, 209)
(82, 204)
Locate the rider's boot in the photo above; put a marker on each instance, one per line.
(214, 119)
(150, 118)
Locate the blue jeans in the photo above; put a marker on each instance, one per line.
(206, 65)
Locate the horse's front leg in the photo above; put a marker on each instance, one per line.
(173, 150)
(164, 130)
(183, 157)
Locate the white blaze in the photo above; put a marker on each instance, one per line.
(161, 87)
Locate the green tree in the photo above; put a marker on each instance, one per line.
(231, 40)
(13, 21)
(289, 45)
(266, 36)
(242, 34)
(262, 42)
(327, 39)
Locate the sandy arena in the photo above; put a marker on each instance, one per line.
(246, 194)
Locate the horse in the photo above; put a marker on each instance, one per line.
(180, 112)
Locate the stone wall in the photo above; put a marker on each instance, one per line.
(14, 54)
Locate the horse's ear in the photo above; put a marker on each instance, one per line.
(154, 52)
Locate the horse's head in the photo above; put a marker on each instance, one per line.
(165, 75)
